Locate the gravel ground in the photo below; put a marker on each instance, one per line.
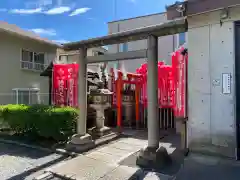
(18, 163)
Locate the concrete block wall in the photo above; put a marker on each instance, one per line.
(211, 125)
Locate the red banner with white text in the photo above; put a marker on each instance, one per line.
(65, 85)
(179, 63)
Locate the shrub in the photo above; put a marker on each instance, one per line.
(40, 120)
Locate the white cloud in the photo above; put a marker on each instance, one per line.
(61, 41)
(48, 32)
(58, 10)
(79, 11)
(26, 11)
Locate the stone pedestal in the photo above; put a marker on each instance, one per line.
(78, 139)
(101, 129)
(154, 158)
(80, 143)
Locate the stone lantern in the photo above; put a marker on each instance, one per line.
(101, 98)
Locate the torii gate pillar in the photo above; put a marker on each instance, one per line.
(82, 138)
(152, 155)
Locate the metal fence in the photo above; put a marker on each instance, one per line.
(11, 98)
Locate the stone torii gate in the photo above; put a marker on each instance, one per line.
(150, 33)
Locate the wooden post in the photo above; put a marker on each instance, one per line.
(119, 100)
(137, 103)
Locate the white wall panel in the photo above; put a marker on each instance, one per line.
(222, 61)
(199, 86)
(211, 51)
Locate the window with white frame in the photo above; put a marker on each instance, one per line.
(33, 60)
(181, 39)
(123, 47)
(26, 96)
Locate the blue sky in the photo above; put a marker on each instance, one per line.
(72, 20)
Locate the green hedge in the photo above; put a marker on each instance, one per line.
(40, 120)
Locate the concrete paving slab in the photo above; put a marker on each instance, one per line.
(121, 173)
(109, 158)
(125, 146)
(94, 172)
(133, 141)
(70, 166)
(114, 161)
(96, 164)
(111, 150)
(83, 167)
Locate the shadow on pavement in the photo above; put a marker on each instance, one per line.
(172, 143)
(36, 169)
(149, 175)
(200, 167)
(197, 167)
(15, 150)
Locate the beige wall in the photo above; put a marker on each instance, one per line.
(166, 44)
(211, 125)
(12, 76)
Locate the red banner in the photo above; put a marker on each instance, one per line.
(65, 86)
(72, 85)
(179, 63)
(113, 87)
(165, 86)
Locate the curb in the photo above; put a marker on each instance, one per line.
(44, 176)
(97, 143)
(57, 151)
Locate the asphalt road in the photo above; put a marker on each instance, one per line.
(18, 162)
(200, 167)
